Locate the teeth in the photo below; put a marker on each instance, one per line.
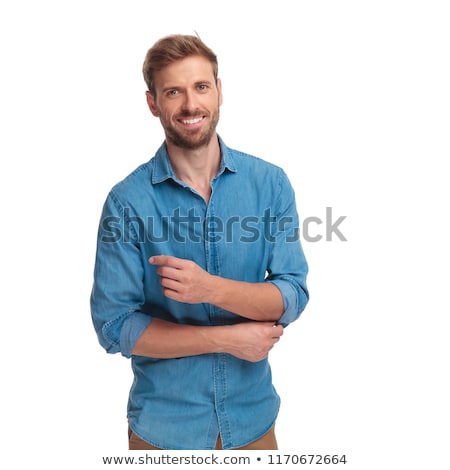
(192, 121)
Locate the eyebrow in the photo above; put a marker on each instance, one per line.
(198, 82)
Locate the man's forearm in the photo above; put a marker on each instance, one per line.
(257, 301)
(249, 341)
(163, 339)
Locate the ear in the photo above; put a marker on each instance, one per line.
(219, 90)
(152, 104)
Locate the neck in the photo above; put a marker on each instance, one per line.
(196, 167)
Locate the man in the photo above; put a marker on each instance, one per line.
(198, 269)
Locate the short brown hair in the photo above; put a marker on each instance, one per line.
(171, 48)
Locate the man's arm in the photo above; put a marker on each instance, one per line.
(185, 281)
(250, 341)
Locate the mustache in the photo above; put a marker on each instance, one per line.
(192, 114)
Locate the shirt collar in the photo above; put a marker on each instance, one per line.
(162, 169)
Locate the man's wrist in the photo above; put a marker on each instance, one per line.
(221, 338)
(215, 291)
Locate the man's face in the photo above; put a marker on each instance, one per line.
(187, 102)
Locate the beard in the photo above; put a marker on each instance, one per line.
(191, 139)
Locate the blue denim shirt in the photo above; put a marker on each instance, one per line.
(248, 231)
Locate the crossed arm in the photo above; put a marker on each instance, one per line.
(185, 281)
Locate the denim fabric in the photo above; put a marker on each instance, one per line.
(248, 231)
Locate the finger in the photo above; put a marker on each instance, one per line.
(170, 284)
(280, 328)
(164, 260)
(278, 331)
(171, 294)
(168, 272)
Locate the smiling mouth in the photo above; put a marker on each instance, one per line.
(192, 121)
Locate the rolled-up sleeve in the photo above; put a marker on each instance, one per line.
(117, 295)
(295, 298)
(288, 268)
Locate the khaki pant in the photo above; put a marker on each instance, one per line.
(266, 442)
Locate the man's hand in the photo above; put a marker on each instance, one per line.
(183, 280)
(251, 341)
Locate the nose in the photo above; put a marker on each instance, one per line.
(190, 101)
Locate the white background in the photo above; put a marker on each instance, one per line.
(351, 98)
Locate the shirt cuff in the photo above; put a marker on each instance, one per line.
(132, 329)
(290, 300)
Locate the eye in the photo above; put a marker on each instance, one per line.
(203, 87)
(172, 92)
